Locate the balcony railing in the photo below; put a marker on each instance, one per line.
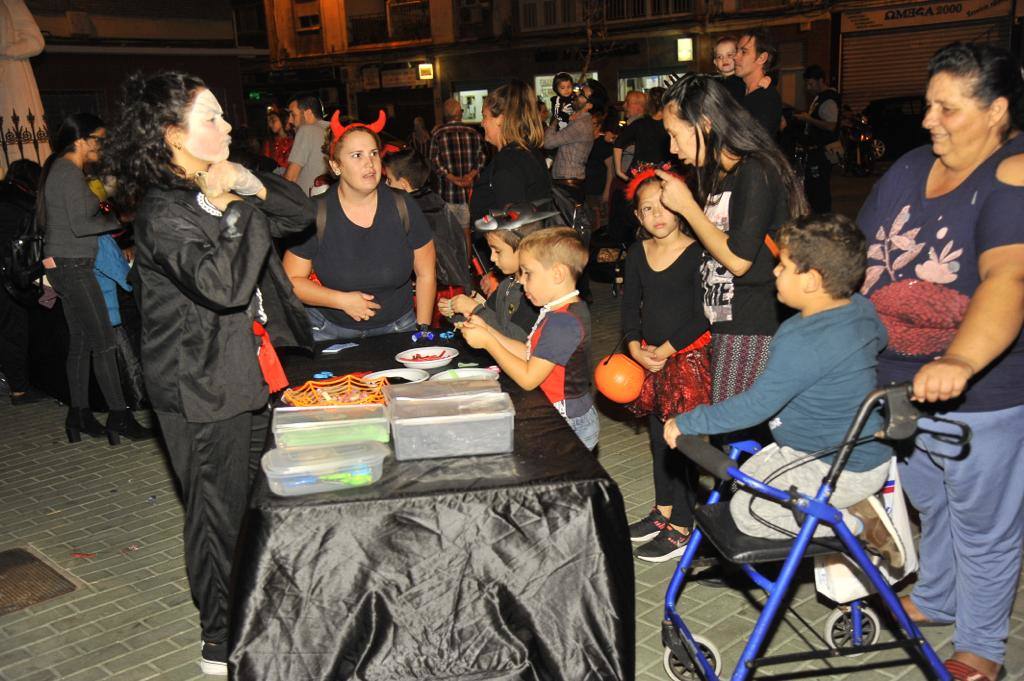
(401, 21)
(546, 14)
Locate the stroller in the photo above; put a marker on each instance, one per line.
(849, 631)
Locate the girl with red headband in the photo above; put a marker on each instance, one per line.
(370, 241)
(666, 332)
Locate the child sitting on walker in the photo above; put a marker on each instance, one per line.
(556, 354)
(821, 364)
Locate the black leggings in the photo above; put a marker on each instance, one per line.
(90, 332)
(675, 477)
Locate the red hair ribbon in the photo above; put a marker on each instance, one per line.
(337, 129)
(644, 172)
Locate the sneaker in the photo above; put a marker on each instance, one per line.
(215, 659)
(879, 533)
(670, 543)
(648, 527)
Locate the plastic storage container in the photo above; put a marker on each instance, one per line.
(308, 470)
(317, 426)
(429, 390)
(459, 425)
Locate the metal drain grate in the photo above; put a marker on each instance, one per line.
(25, 580)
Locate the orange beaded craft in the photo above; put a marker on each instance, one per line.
(348, 389)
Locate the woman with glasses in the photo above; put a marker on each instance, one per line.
(72, 218)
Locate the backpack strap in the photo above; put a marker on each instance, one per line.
(403, 210)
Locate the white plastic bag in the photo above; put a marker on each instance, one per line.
(839, 579)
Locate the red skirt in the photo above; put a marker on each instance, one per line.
(682, 384)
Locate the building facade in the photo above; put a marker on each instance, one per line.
(365, 55)
(92, 45)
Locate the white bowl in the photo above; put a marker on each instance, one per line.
(406, 357)
(409, 375)
(466, 373)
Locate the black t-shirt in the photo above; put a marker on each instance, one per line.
(650, 138)
(596, 170)
(736, 87)
(375, 260)
(665, 305)
(513, 175)
(751, 203)
(765, 105)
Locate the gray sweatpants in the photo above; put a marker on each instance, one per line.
(850, 488)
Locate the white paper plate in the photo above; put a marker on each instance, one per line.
(460, 374)
(410, 375)
(406, 357)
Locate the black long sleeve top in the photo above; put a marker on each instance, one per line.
(666, 305)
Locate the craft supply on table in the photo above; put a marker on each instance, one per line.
(338, 347)
(325, 390)
(464, 373)
(291, 472)
(399, 376)
(318, 426)
(432, 390)
(427, 357)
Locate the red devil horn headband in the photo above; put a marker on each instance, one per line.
(643, 173)
(337, 129)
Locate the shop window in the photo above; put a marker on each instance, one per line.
(542, 84)
(472, 102)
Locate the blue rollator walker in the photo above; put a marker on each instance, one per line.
(849, 631)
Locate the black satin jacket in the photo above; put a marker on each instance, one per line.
(195, 278)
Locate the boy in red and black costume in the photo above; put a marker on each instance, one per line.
(556, 354)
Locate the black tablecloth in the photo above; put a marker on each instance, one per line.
(514, 566)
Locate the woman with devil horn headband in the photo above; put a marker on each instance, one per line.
(369, 242)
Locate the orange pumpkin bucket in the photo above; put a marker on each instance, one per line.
(619, 378)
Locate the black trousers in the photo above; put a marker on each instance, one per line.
(13, 342)
(675, 476)
(818, 181)
(91, 335)
(215, 465)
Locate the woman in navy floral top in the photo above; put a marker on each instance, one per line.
(945, 228)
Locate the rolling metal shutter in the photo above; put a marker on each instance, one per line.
(895, 63)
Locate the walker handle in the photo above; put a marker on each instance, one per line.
(706, 456)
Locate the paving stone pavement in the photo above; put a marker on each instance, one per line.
(132, 617)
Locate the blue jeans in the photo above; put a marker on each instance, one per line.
(972, 526)
(586, 427)
(325, 330)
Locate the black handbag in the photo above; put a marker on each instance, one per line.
(21, 266)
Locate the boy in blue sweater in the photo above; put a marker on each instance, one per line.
(820, 367)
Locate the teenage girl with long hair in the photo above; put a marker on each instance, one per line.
(745, 190)
(666, 333)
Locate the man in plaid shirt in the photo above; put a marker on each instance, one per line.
(456, 157)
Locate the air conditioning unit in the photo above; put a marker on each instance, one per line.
(80, 24)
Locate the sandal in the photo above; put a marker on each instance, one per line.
(964, 672)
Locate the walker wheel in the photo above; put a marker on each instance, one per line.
(839, 628)
(678, 671)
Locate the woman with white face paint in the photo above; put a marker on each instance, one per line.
(212, 297)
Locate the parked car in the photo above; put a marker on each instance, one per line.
(896, 121)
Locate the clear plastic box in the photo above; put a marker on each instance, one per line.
(428, 390)
(308, 470)
(317, 426)
(458, 425)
